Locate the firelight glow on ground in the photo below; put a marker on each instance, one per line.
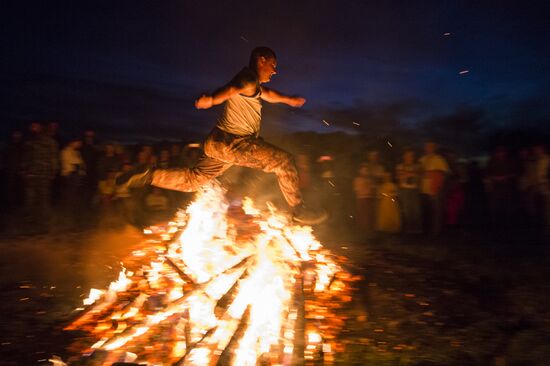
(221, 284)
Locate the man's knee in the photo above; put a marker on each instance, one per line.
(285, 161)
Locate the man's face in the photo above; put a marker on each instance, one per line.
(266, 68)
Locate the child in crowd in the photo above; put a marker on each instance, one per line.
(107, 188)
(388, 219)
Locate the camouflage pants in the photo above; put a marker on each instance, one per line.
(221, 151)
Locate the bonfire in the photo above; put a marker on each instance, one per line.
(222, 284)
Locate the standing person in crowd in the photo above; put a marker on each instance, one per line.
(454, 190)
(235, 139)
(14, 153)
(147, 150)
(52, 130)
(107, 189)
(364, 195)
(176, 157)
(408, 176)
(388, 217)
(73, 174)
(90, 156)
(39, 165)
(500, 179)
(434, 171)
(375, 176)
(108, 161)
(377, 172)
(542, 186)
(122, 154)
(164, 159)
(475, 199)
(365, 186)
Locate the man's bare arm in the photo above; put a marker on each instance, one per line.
(218, 97)
(273, 96)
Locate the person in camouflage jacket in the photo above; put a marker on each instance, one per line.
(39, 165)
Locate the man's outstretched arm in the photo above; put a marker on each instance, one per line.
(218, 97)
(273, 96)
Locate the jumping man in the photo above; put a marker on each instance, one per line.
(235, 139)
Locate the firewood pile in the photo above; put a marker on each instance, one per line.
(220, 285)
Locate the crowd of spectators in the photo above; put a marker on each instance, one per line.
(71, 184)
(435, 191)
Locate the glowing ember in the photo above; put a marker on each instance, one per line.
(226, 290)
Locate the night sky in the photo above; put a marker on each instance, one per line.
(133, 68)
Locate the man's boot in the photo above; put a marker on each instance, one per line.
(307, 216)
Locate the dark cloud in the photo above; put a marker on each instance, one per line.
(371, 118)
(109, 107)
(135, 66)
(462, 129)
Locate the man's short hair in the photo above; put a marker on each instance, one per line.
(260, 52)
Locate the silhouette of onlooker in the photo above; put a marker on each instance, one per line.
(39, 166)
(73, 174)
(454, 190)
(500, 179)
(176, 158)
(434, 172)
(12, 165)
(52, 130)
(164, 159)
(408, 175)
(108, 162)
(90, 155)
(364, 202)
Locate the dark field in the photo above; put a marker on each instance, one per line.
(464, 299)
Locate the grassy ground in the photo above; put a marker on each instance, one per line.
(467, 298)
(462, 299)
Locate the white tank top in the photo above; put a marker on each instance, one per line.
(241, 115)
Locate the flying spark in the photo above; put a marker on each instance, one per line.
(244, 39)
(326, 123)
(389, 144)
(463, 72)
(357, 124)
(447, 34)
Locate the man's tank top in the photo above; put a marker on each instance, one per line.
(241, 114)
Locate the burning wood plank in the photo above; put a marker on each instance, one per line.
(213, 297)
